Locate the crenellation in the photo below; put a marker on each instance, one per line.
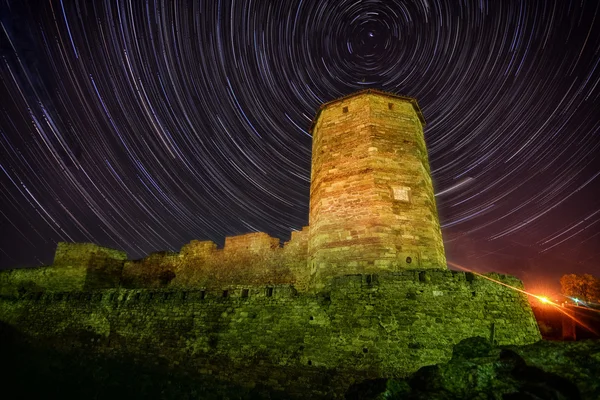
(200, 249)
(251, 242)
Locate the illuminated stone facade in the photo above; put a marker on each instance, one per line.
(372, 205)
(363, 292)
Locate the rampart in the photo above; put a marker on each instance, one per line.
(250, 259)
(77, 266)
(360, 326)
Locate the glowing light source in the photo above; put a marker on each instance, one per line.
(544, 299)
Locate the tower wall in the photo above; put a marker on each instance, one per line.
(372, 206)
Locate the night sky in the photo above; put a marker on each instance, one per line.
(141, 125)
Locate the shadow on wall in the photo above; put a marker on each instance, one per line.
(33, 370)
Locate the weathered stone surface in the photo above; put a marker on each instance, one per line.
(372, 206)
(250, 259)
(77, 266)
(360, 326)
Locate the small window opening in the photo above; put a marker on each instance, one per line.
(225, 293)
(365, 350)
(422, 277)
(269, 292)
(202, 295)
(408, 260)
(391, 106)
(244, 293)
(309, 362)
(345, 109)
(369, 279)
(311, 318)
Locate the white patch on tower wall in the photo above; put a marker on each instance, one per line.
(401, 193)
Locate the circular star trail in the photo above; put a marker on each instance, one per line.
(141, 125)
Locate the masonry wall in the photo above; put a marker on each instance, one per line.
(79, 254)
(41, 279)
(359, 326)
(77, 266)
(250, 259)
(372, 206)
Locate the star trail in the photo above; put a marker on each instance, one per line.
(141, 125)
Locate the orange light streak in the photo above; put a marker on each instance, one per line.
(540, 298)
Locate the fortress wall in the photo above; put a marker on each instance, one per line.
(294, 256)
(153, 271)
(78, 254)
(251, 259)
(77, 266)
(254, 258)
(360, 325)
(70, 278)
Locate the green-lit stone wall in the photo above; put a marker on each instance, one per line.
(77, 266)
(359, 325)
(38, 279)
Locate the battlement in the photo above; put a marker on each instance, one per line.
(253, 242)
(249, 259)
(77, 266)
(394, 97)
(79, 254)
(254, 258)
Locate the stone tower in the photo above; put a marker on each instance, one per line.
(372, 207)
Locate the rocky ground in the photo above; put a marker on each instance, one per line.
(545, 370)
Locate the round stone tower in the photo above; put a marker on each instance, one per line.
(372, 206)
